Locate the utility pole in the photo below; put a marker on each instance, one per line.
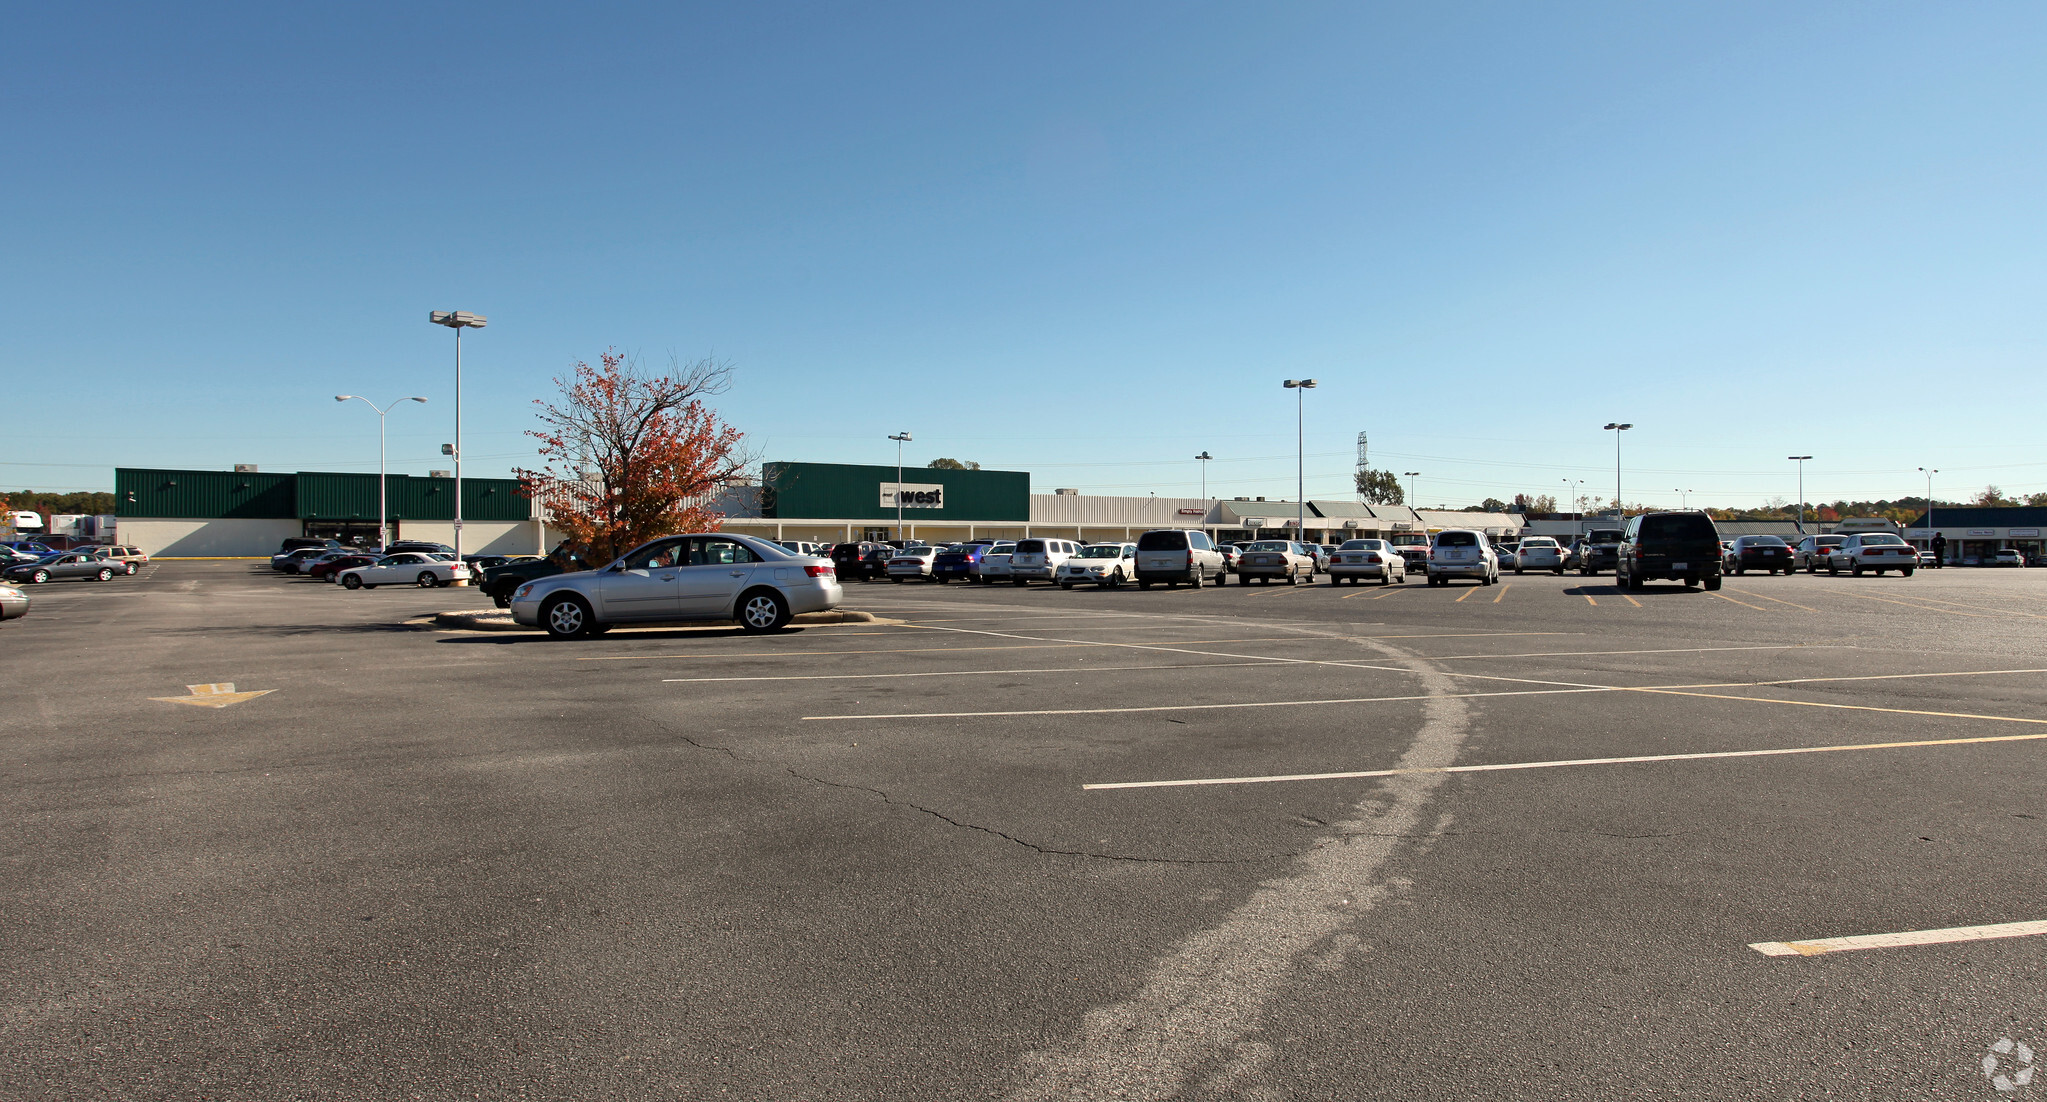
(900, 438)
(1800, 459)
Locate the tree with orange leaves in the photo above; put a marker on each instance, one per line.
(631, 456)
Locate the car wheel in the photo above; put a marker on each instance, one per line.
(763, 610)
(1713, 583)
(133, 569)
(39, 577)
(501, 602)
(426, 579)
(1066, 585)
(106, 574)
(567, 618)
(1016, 581)
(1194, 578)
(1142, 584)
(1855, 572)
(1905, 572)
(1115, 580)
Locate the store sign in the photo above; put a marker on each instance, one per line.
(1982, 532)
(913, 495)
(1193, 512)
(2025, 533)
(1257, 522)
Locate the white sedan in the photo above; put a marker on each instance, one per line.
(1105, 564)
(1357, 560)
(1539, 553)
(912, 562)
(405, 568)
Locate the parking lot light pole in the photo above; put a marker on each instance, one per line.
(1929, 472)
(1684, 498)
(1204, 457)
(900, 438)
(1300, 387)
(1410, 476)
(383, 510)
(458, 320)
(1617, 428)
(1800, 459)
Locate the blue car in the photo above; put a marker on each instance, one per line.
(961, 561)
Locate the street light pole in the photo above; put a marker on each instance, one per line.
(1684, 498)
(1619, 509)
(1930, 472)
(900, 438)
(1204, 457)
(1300, 387)
(1410, 476)
(1801, 488)
(383, 510)
(458, 320)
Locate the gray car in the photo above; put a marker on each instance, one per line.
(701, 576)
(13, 603)
(64, 564)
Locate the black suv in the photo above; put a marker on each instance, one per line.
(1678, 546)
(1601, 546)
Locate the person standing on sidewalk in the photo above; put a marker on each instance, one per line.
(1939, 550)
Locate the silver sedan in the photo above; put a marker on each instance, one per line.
(703, 576)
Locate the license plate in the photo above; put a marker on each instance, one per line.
(1680, 565)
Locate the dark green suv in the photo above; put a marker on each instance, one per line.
(1679, 546)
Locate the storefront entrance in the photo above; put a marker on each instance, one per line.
(349, 533)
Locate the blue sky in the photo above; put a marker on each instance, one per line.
(1087, 241)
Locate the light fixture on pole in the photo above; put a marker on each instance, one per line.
(1410, 476)
(900, 438)
(458, 320)
(1800, 459)
(1929, 472)
(1204, 457)
(1683, 498)
(1300, 387)
(383, 510)
(1617, 428)
(1576, 488)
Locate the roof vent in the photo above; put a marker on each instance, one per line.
(1067, 492)
(245, 468)
(1261, 499)
(440, 474)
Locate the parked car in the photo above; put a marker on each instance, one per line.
(1768, 554)
(500, 582)
(1356, 560)
(1681, 546)
(704, 576)
(286, 560)
(428, 546)
(132, 559)
(960, 561)
(1039, 559)
(297, 543)
(878, 557)
(9, 556)
(1176, 555)
(912, 562)
(1574, 554)
(995, 562)
(2006, 557)
(1811, 552)
(13, 603)
(850, 559)
(801, 547)
(1508, 559)
(56, 567)
(1597, 551)
(1269, 559)
(1104, 564)
(1462, 553)
(331, 566)
(31, 548)
(405, 568)
(1414, 547)
(1538, 553)
(1877, 551)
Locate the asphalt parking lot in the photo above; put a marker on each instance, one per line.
(1258, 842)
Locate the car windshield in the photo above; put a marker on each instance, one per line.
(1538, 541)
(1457, 539)
(1002, 549)
(1885, 539)
(1361, 545)
(1103, 551)
(1269, 545)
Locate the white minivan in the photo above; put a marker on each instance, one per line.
(1175, 555)
(1039, 559)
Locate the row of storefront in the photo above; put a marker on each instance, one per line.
(1976, 534)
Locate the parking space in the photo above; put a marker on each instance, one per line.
(1032, 843)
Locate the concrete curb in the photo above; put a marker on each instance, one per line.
(496, 619)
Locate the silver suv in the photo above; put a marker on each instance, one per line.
(705, 576)
(1175, 555)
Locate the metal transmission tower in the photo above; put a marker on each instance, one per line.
(1362, 467)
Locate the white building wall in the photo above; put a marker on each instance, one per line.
(483, 537)
(176, 537)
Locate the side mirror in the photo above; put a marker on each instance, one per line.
(617, 567)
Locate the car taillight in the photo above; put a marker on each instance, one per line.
(817, 571)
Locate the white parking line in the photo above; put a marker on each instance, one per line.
(962, 673)
(1517, 765)
(1211, 707)
(1825, 945)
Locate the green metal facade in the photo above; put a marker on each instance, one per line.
(846, 491)
(208, 495)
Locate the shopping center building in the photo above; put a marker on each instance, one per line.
(1975, 534)
(175, 513)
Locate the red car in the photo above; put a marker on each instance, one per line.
(326, 568)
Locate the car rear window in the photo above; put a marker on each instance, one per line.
(1162, 541)
(1761, 541)
(1456, 539)
(1030, 547)
(1680, 526)
(1885, 539)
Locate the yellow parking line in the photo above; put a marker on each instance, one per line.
(1504, 587)
(1588, 599)
(1467, 593)
(1742, 603)
(1779, 600)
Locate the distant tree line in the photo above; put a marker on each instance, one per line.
(93, 502)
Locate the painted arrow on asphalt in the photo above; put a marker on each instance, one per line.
(220, 694)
